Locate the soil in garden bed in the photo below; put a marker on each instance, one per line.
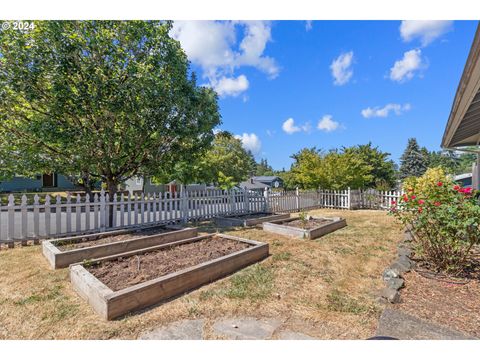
(124, 272)
(251, 216)
(86, 242)
(309, 225)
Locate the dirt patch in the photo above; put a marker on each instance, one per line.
(250, 216)
(450, 302)
(86, 242)
(308, 225)
(124, 272)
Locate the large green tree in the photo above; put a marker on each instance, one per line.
(414, 161)
(110, 99)
(335, 170)
(382, 168)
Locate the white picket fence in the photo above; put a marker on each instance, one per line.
(54, 217)
(292, 201)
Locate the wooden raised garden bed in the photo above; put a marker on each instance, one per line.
(246, 220)
(116, 285)
(60, 253)
(313, 228)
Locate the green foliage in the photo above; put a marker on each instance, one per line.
(382, 169)
(335, 170)
(445, 219)
(225, 182)
(303, 218)
(111, 99)
(414, 161)
(263, 168)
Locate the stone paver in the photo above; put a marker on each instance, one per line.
(292, 335)
(397, 324)
(179, 330)
(246, 328)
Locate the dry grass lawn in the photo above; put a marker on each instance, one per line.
(325, 288)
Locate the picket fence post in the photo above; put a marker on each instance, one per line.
(184, 205)
(349, 199)
(102, 210)
(266, 195)
(246, 200)
(297, 199)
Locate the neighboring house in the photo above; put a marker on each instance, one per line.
(43, 182)
(259, 183)
(463, 179)
(463, 126)
(149, 186)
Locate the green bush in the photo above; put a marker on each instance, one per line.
(444, 218)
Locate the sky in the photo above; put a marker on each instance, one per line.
(285, 85)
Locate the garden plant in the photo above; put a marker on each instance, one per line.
(444, 218)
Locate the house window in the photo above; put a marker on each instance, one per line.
(138, 180)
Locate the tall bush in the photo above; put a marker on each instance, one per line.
(444, 218)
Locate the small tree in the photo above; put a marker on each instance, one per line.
(413, 161)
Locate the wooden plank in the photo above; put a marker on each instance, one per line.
(36, 219)
(24, 226)
(61, 259)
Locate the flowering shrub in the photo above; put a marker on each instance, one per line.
(444, 218)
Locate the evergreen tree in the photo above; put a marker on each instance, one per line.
(414, 161)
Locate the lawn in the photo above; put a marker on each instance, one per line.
(325, 288)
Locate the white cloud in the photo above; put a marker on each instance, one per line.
(405, 68)
(342, 68)
(230, 86)
(425, 30)
(308, 25)
(385, 111)
(213, 45)
(290, 128)
(327, 124)
(250, 142)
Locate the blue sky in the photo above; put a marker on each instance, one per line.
(285, 85)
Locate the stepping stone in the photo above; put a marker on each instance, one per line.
(246, 328)
(291, 335)
(179, 330)
(397, 324)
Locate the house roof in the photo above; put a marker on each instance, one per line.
(265, 178)
(463, 126)
(256, 185)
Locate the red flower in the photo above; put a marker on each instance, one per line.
(405, 198)
(421, 201)
(439, 183)
(394, 202)
(437, 203)
(420, 209)
(456, 187)
(413, 197)
(467, 190)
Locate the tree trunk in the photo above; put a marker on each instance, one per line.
(112, 188)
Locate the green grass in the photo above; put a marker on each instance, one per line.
(341, 302)
(282, 256)
(254, 283)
